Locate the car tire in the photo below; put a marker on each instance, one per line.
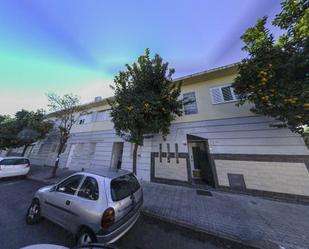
(34, 212)
(85, 236)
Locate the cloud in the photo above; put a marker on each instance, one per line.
(12, 101)
(94, 89)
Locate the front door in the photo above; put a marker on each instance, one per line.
(117, 152)
(200, 161)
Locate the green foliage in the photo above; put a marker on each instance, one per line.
(146, 100)
(275, 76)
(25, 128)
(7, 133)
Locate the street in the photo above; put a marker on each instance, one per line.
(147, 233)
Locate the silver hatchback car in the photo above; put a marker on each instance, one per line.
(95, 207)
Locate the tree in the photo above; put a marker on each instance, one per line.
(64, 109)
(7, 133)
(25, 128)
(274, 76)
(31, 127)
(2, 118)
(146, 100)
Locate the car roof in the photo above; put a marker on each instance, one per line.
(107, 172)
(13, 157)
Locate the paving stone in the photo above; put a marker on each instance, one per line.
(243, 217)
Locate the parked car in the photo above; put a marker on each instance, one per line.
(14, 166)
(94, 206)
(89, 246)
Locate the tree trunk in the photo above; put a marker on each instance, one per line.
(24, 150)
(57, 160)
(134, 158)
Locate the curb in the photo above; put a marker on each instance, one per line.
(37, 179)
(218, 239)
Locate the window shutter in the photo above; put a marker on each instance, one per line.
(227, 93)
(216, 95)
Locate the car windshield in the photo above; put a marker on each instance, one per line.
(14, 161)
(124, 186)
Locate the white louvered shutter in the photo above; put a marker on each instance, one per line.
(216, 95)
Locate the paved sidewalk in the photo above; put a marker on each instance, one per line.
(239, 217)
(43, 173)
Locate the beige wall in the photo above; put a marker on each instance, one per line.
(171, 170)
(206, 110)
(281, 177)
(94, 125)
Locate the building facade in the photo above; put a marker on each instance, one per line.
(214, 143)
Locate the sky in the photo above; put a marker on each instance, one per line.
(76, 46)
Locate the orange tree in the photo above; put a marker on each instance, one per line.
(275, 74)
(146, 100)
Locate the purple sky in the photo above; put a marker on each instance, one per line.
(79, 46)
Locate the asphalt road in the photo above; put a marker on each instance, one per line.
(147, 233)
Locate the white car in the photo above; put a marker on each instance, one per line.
(14, 166)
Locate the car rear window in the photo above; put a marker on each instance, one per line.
(124, 186)
(14, 161)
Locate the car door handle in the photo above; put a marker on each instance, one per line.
(67, 203)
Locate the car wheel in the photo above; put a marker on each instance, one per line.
(85, 236)
(34, 212)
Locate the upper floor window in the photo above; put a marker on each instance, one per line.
(223, 94)
(104, 115)
(191, 106)
(85, 118)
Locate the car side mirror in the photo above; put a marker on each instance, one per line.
(53, 188)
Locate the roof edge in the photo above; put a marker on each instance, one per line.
(216, 69)
(103, 101)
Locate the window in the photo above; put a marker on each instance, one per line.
(89, 189)
(70, 185)
(223, 94)
(85, 118)
(104, 115)
(190, 106)
(15, 161)
(123, 187)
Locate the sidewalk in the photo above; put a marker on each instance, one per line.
(247, 219)
(239, 217)
(42, 173)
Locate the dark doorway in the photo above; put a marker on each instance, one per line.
(117, 152)
(200, 159)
